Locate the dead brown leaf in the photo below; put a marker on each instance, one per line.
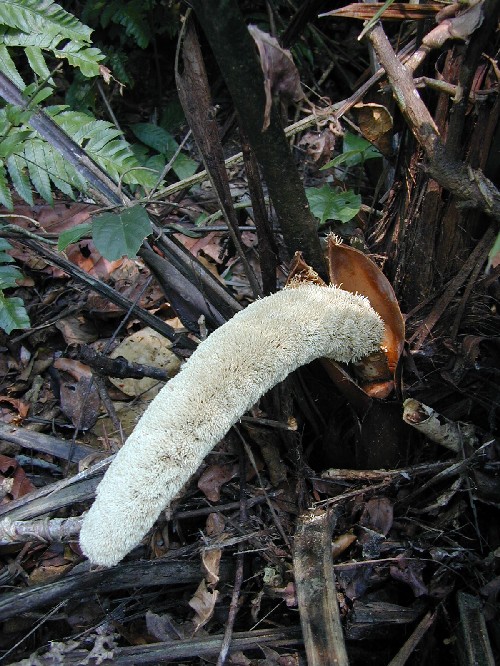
(215, 524)
(210, 560)
(18, 483)
(410, 572)
(342, 543)
(214, 477)
(281, 77)
(378, 515)
(319, 145)
(356, 273)
(80, 401)
(203, 603)
(375, 123)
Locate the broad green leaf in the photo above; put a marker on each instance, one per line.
(184, 166)
(5, 258)
(4, 245)
(13, 314)
(355, 142)
(352, 157)
(329, 204)
(172, 116)
(162, 141)
(155, 137)
(73, 235)
(356, 150)
(8, 276)
(121, 234)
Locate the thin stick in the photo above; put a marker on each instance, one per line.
(238, 579)
(418, 633)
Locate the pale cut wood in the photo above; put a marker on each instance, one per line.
(316, 593)
(37, 441)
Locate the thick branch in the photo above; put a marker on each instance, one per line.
(236, 55)
(459, 178)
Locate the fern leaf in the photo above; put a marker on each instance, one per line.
(12, 314)
(99, 133)
(85, 58)
(6, 258)
(14, 37)
(17, 171)
(62, 174)
(5, 194)
(11, 143)
(9, 69)
(9, 276)
(37, 62)
(99, 139)
(131, 17)
(37, 16)
(36, 155)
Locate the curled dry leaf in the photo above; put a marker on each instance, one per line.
(378, 515)
(356, 273)
(215, 524)
(319, 145)
(203, 603)
(79, 396)
(398, 11)
(211, 564)
(214, 477)
(281, 77)
(375, 123)
(353, 271)
(17, 483)
(460, 26)
(301, 272)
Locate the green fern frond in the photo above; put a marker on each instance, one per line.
(84, 58)
(132, 17)
(37, 62)
(44, 25)
(5, 194)
(8, 67)
(100, 140)
(18, 172)
(43, 16)
(32, 163)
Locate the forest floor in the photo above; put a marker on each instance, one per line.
(415, 548)
(403, 490)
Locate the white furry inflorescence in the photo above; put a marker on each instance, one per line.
(225, 376)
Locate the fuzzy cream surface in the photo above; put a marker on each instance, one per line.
(224, 377)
